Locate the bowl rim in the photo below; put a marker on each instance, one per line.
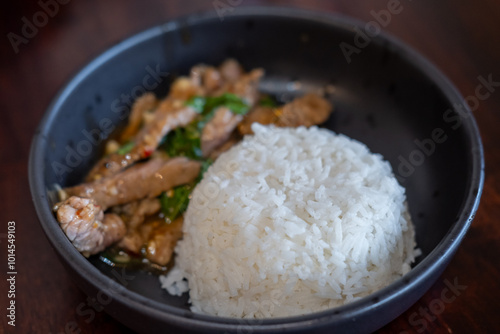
(433, 262)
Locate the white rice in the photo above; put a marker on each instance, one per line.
(292, 221)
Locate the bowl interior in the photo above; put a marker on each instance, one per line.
(383, 97)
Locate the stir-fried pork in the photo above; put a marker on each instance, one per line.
(86, 225)
(246, 87)
(310, 109)
(207, 76)
(167, 117)
(218, 130)
(147, 179)
(234, 139)
(145, 103)
(134, 215)
(162, 241)
(260, 114)
(173, 112)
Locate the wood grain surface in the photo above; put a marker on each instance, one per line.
(461, 37)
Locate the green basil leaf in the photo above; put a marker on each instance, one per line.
(206, 105)
(237, 107)
(174, 205)
(184, 142)
(197, 103)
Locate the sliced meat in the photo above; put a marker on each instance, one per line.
(114, 229)
(132, 242)
(212, 79)
(231, 70)
(245, 87)
(148, 179)
(183, 88)
(260, 114)
(234, 139)
(162, 241)
(308, 110)
(155, 239)
(173, 112)
(145, 103)
(134, 215)
(218, 130)
(86, 226)
(169, 115)
(208, 77)
(136, 239)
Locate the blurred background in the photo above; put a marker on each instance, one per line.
(44, 43)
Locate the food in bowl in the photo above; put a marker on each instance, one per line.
(303, 220)
(292, 221)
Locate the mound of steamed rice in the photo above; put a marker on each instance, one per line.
(292, 221)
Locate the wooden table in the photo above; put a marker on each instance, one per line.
(460, 37)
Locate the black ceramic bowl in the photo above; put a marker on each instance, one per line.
(387, 96)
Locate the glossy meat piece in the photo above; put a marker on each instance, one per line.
(246, 86)
(132, 242)
(162, 241)
(86, 225)
(134, 215)
(169, 115)
(260, 114)
(147, 179)
(231, 70)
(218, 130)
(234, 139)
(212, 79)
(308, 110)
(207, 76)
(145, 103)
(135, 239)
